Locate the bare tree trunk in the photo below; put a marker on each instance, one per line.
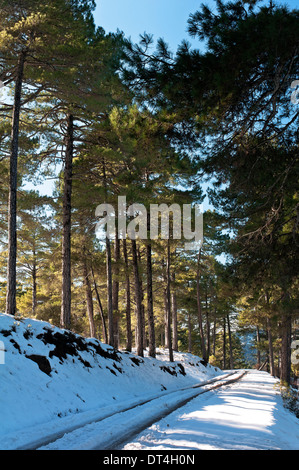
(65, 319)
(109, 293)
(231, 358)
(258, 342)
(271, 352)
(115, 292)
(12, 199)
(165, 318)
(285, 372)
(174, 315)
(150, 306)
(144, 334)
(270, 341)
(214, 334)
(89, 300)
(189, 333)
(142, 303)
(168, 306)
(279, 364)
(208, 347)
(165, 335)
(224, 344)
(199, 311)
(139, 329)
(105, 336)
(108, 271)
(34, 285)
(128, 298)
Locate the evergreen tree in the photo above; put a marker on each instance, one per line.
(31, 37)
(235, 98)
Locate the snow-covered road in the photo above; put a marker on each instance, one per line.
(91, 396)
(248, 415)
(113, 431)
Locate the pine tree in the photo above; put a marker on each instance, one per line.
(29, 32)
(234, 97)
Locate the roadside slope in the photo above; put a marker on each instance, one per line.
(52, 378)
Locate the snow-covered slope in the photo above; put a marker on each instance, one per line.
(50, 377)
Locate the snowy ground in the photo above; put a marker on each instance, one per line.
(248, 415)
(53, 382)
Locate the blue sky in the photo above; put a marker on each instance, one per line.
(162, 18)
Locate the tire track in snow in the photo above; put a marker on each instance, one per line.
(119, 427)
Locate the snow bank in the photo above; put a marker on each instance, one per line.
(48, 375)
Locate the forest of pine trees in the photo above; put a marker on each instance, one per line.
(94, 116)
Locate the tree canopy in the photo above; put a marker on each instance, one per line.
(107, 118)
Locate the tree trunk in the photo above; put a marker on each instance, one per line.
(89, 300)
(174, 315)
(34, 287)
(231, 358)
(258, 342)
(105, 336)
(285, 373)
(165, 317)
(270, 340)
(150, 306)
(168, 306)
(271, 352)
(139, 329)
(214, 334)
(65, 319)
(142, 303)
(208, 343)
(224, 344)
(115, 292)
(108, 271)
(12, 198)
(189, 333)
(109, 293)
(128, 298)
(199, 311)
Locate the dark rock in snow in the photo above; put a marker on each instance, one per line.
(42, 362)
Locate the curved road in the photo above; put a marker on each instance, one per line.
(120, 427)
(248, 415)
